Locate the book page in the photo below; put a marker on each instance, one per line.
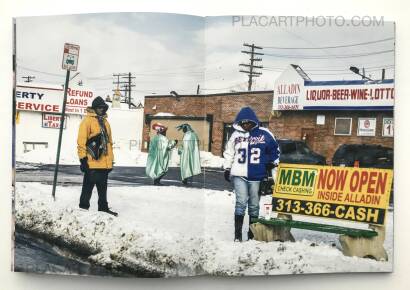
(128, 194)
(322, 91)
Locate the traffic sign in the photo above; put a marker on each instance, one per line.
(70, 56)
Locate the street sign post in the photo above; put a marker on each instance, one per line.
(70, 56)
(70, 62)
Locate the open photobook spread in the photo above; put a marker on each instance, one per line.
(166, 145)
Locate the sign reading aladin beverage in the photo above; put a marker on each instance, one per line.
(347, 193)
(49, 99)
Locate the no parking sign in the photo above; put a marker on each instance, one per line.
(70, 56)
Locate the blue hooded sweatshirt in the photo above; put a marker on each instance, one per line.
(247, 153)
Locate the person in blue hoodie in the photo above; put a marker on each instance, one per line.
(250, 153)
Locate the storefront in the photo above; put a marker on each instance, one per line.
(38, 114)
(325, 114)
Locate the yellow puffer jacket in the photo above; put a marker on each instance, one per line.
(89, 127)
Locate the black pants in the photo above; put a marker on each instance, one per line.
(99, 178)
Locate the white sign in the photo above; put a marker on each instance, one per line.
(366, 127)
(52, 121)
(288, 97)
(320, 119)
(70, 56)
(349, 96)
(50, 99)
(388, 127)
(294, 92)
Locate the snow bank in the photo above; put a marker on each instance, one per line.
(164, 114)
(210, 160)
(48, 156)
(175, 231)
(123, 157)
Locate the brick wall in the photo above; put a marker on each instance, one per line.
(290, 124)
(223, 108)
(322, 140)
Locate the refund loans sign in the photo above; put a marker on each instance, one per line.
(50, 100)
(347, 193)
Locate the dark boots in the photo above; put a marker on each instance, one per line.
(238, 228)
(107, 210)
(157, 181)
(252, 220)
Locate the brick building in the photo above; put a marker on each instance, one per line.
(216, 112)
(301, 110)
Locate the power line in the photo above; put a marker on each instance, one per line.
(367, 67)
(268, 68)
(125, 86)
(336, 46)
(330, 56)
(38, 71)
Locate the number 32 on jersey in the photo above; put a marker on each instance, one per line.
(254, 157)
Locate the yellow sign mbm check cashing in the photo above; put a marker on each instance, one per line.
(348, 193)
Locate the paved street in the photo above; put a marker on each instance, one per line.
(120, 176)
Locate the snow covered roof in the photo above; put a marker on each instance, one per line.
(163, 114)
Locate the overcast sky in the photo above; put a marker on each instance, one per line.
(168, 52)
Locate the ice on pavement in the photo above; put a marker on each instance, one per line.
(177, 231)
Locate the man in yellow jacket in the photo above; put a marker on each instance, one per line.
(95, 153)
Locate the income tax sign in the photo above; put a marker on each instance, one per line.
(347, 193)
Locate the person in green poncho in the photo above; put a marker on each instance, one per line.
(189, 152)
(159, 153)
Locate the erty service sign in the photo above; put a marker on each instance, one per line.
(50, 99)
(347, 193)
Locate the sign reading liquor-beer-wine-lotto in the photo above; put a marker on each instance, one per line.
(346, 193)
(50, 99)
(293, 92)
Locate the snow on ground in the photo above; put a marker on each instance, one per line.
(177, 231)
(123, 157)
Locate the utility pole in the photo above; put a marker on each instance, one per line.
(130, 77)
(118, 80)
(28, 78)
(252, 66)
(125, 89)
(126, 85)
